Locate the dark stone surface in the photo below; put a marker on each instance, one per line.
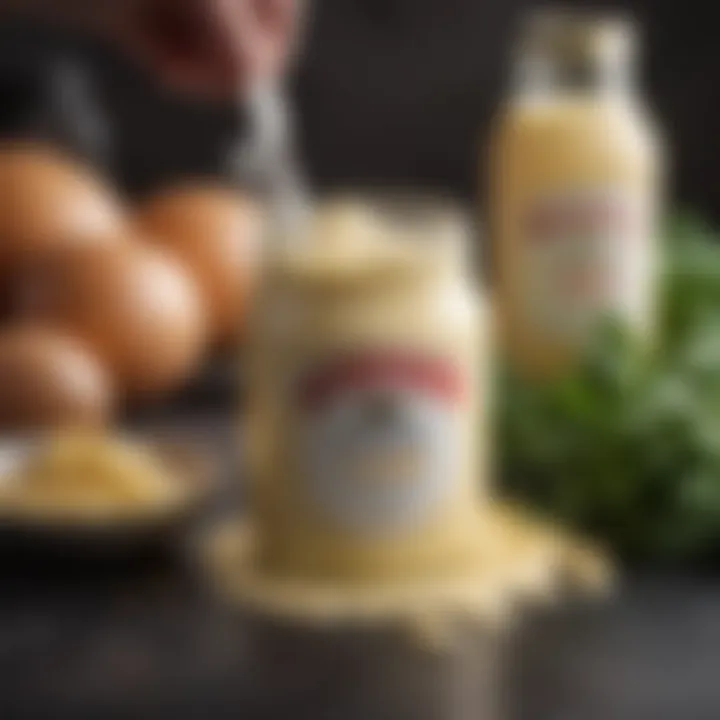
(150, 641)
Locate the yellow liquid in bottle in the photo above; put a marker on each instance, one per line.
(575, 184)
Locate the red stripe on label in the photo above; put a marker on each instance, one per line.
(554, 220)
(432, 375)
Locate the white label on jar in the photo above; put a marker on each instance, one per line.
(586, 256)
(378, 438)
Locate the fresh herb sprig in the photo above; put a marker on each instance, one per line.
(627, 446)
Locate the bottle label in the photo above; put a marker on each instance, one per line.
(587, 256)
(378, 438)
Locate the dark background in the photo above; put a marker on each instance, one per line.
(396, 91)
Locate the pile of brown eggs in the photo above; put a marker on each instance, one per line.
(102, 304)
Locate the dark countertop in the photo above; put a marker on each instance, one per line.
(142, 642)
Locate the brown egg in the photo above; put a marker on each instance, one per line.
(47, 199)
(216, 232)
(134, 305)
(49, 380)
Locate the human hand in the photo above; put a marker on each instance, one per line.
(207, 47)
(216, 47)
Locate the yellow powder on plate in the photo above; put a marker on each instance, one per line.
(88, 477)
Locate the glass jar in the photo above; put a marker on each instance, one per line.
(369, 393)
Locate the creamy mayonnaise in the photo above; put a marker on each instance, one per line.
(368, 381)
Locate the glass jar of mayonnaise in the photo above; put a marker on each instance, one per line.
(368, 395)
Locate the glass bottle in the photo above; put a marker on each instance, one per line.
(575, 188)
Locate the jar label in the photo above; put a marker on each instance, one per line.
(586, 256)
(378, 438)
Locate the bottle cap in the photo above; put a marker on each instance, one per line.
(579, 36)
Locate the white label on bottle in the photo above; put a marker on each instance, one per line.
(378, 441)
(586, 256)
